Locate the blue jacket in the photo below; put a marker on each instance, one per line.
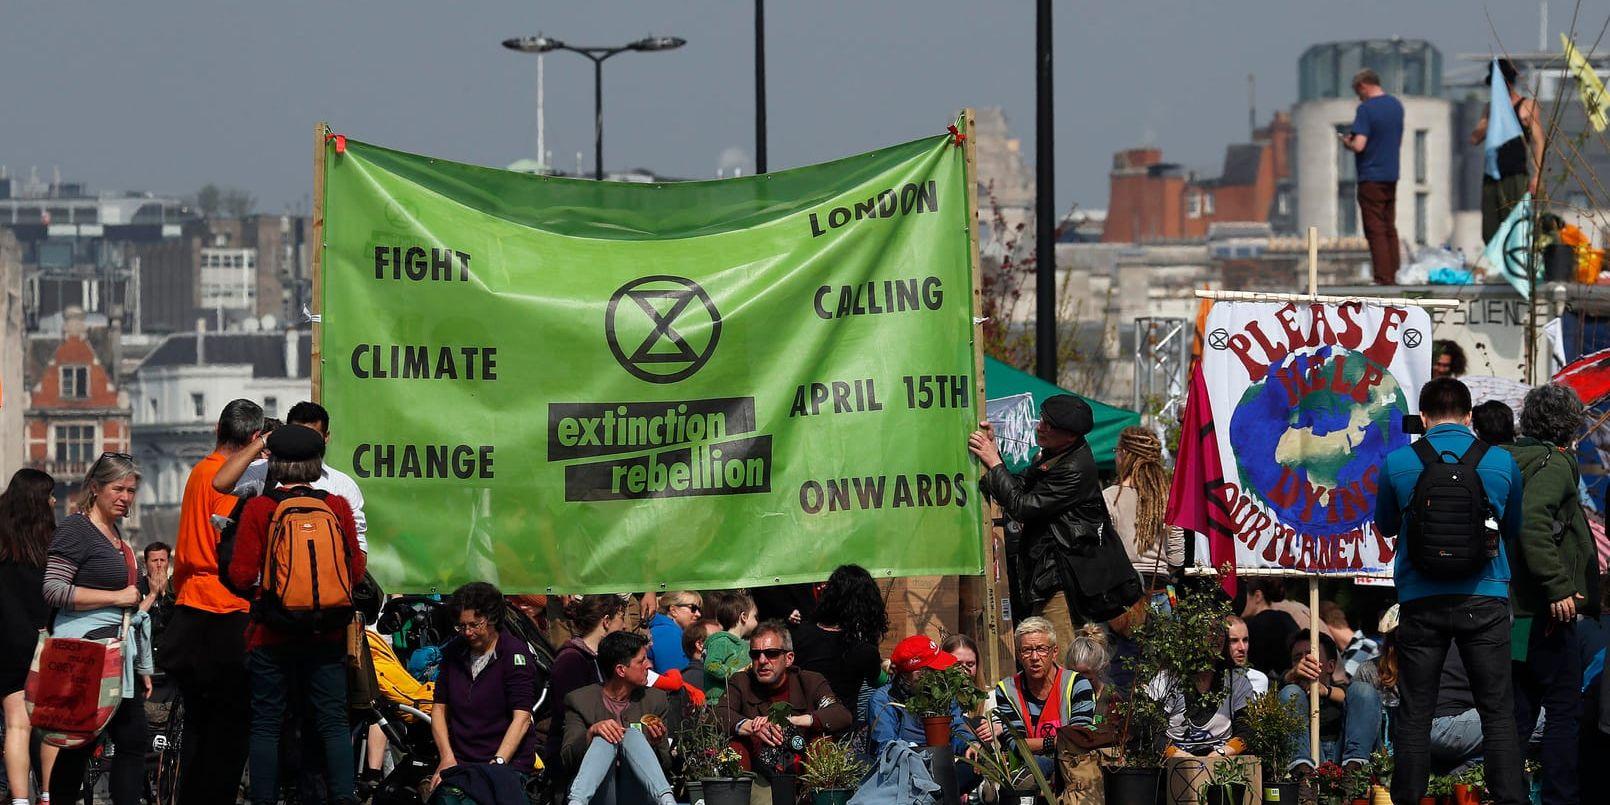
(665, 650)
(1500, 476)
(892, 722)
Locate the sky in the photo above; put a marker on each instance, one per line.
(169, 95)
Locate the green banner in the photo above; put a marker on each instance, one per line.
(561, 385)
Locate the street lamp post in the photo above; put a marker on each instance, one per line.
(543, 44)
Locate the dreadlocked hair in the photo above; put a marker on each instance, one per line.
(1140, 467)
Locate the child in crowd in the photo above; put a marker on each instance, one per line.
(727, 652)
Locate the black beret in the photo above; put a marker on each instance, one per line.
(1065, 412)
(295, 443)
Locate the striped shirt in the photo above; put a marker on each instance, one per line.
(81, 556)
(1016, 709)
(1359, 650)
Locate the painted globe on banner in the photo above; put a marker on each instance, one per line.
(1311, 436)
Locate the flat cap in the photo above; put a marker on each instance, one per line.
(295, 443)
(1067, 412)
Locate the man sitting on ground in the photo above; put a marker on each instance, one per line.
(1349, 712)
(768, 748)
(615, 732)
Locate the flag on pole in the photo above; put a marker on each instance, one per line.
(1594, 100)
(1502, 123)
(1509, 250)
(1196, 497)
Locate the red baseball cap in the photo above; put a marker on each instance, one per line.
(917, 651)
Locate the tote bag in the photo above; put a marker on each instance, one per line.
(75, 684)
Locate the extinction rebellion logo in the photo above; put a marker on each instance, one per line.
(647, 312)
(660, 329)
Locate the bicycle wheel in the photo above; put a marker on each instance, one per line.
(164, 774)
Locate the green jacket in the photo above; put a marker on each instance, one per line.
(1555, 556)
(725, 654)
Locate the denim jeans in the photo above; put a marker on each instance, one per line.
(627, 773)
(1479, 626)
(318, 670)
(1455, 741)
(1551, 678)
(1361, 726)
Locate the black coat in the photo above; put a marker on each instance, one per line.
(1058, 501)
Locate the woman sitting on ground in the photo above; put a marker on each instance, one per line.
(1043, 697)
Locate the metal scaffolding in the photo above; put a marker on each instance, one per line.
(1162, 358)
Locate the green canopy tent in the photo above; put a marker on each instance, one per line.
(1002, 380)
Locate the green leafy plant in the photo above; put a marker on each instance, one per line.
(934, 692)
(1232, 771)
(1440, 785)
(1273, 723)
(1475, 776)
(1006, 769)
(832, 766)
(1175, 648)
(778, 714)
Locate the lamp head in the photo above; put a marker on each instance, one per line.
(533, 44)
(658, 43)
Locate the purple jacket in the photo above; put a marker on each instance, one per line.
(479, 709)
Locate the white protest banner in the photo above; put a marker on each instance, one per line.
(1309, 399)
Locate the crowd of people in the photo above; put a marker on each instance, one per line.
(256, 631)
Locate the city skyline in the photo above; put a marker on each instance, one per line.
(121, 98)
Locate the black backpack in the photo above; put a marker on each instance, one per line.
(1448, 533)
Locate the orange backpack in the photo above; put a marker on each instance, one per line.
(307, 575)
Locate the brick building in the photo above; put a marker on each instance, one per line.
(75, 409)
(1151, 200)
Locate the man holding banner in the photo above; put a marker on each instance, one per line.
(1057, 499)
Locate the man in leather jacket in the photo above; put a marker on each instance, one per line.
(1057, 499)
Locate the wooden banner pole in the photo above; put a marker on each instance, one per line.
(321, 132)
(1313, 581)
(987, 597)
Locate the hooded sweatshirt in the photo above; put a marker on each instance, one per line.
(1555, 557)
(725, 654)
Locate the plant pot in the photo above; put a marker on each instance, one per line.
(835, 796)
(936, 729)
(1466, 794)
(1132, 786)
(1281, 793)
(1027, 796)
(1428, 800)
(695, 792)
(1230, 794)
(783, 788)
(727, 790)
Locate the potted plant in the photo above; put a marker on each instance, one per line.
(1440, 787)
(1382, 764)
(1330, 784)
(712, 770)
(1226, 783)
(1174, 649)
(832, 770)
(1356, 779)
(1468, 785)
(934, 697)
(1274, 723)
(782, 778)
(1016, 776)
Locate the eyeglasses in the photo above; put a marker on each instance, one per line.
(472, 626)
(1043, 651)
(768, 653)
(109, 454)
(691, 607)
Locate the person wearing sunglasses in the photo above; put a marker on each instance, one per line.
(677, 611)
(767, 748)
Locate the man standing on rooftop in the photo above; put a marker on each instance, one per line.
(1375, 139)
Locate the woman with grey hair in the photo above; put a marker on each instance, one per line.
(1043, 697)
(1555, 580)
(90, 575)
